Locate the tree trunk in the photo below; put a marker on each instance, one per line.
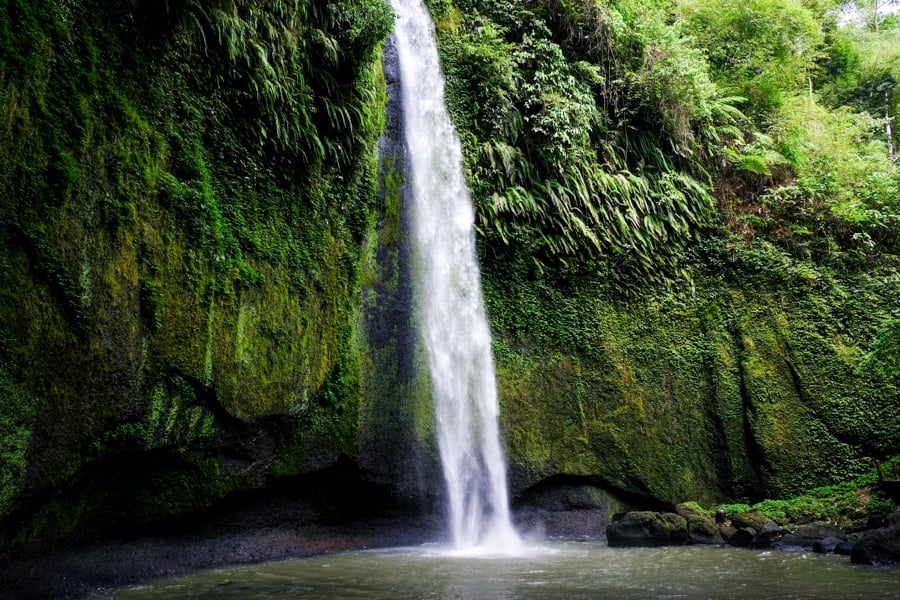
(887, 124)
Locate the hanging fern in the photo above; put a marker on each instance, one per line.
(294, 66)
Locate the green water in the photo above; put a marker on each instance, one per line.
(551, 570)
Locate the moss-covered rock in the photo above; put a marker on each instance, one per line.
(753, 520)
(185, 195)
(647, 528)
(737, 389)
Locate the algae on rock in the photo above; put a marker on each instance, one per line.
(185, 193)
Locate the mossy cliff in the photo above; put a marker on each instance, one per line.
(761, 386)
(187, 189)
(204, 279)
(678, 313)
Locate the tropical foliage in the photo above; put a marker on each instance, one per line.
(623, 131)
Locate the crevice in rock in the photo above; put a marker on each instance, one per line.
(757, 459)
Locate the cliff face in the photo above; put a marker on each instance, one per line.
(204, 288)
(186, 191)
(668, 323)
(743, 388)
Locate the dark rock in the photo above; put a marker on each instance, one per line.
(879, 546)
(767, 535)
(702, 530)
(742, 537)
(646, 529)
(827, 545)
(726, 532)
(569, 524)
(275, 528)
(804, 536)
(566, 507)
(876, 521)
(844, 548)
(701, 527)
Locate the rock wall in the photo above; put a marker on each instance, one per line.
(204, 290)
(740, 388)
(186, 196)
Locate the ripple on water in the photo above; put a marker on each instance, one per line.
(551, 569)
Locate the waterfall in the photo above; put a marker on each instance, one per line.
(452, 318)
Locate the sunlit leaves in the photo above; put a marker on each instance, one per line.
(759, 49)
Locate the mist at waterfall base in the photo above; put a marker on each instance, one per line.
(452, 318)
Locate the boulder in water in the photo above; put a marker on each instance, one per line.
(726, 531)
(769, 533)
(879, 546)
(742, 537)
(702, 528)
(804, 536)
(827, 545)
(844, 548)
(647, 529)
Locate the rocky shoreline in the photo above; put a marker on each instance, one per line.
(875, 541)
(287, 527)
(337, 514)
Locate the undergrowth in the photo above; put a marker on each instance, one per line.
(838, 504)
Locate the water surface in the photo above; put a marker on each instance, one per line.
(550, 570)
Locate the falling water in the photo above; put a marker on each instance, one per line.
(453, 322)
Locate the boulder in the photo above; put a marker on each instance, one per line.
(879, 546)
(726, 532)
(753, 520)
(765, 536)
(827, 545)
(804, 536)
(742, 537)
(647, 529)
(844, 548)
(701, 527)
(702, 530)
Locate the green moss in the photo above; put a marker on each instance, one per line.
(16, 413)
(179, 240)
(393, 184)
(840, 504)
(727, 392)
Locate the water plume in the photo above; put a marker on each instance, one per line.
(451, 310)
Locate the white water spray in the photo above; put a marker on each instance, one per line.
(453, 321)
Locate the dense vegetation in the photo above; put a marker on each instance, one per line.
(689, 219)
(626, 129)
(690, 231)
(184, 194)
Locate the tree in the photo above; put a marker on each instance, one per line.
(875, 12)
(759, 49)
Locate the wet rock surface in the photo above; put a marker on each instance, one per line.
(880, 545)
(647, 528)
(283, 525)
(566, 507)
(827, 545)
(804, 537)
(876, 542)
(742, 538)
